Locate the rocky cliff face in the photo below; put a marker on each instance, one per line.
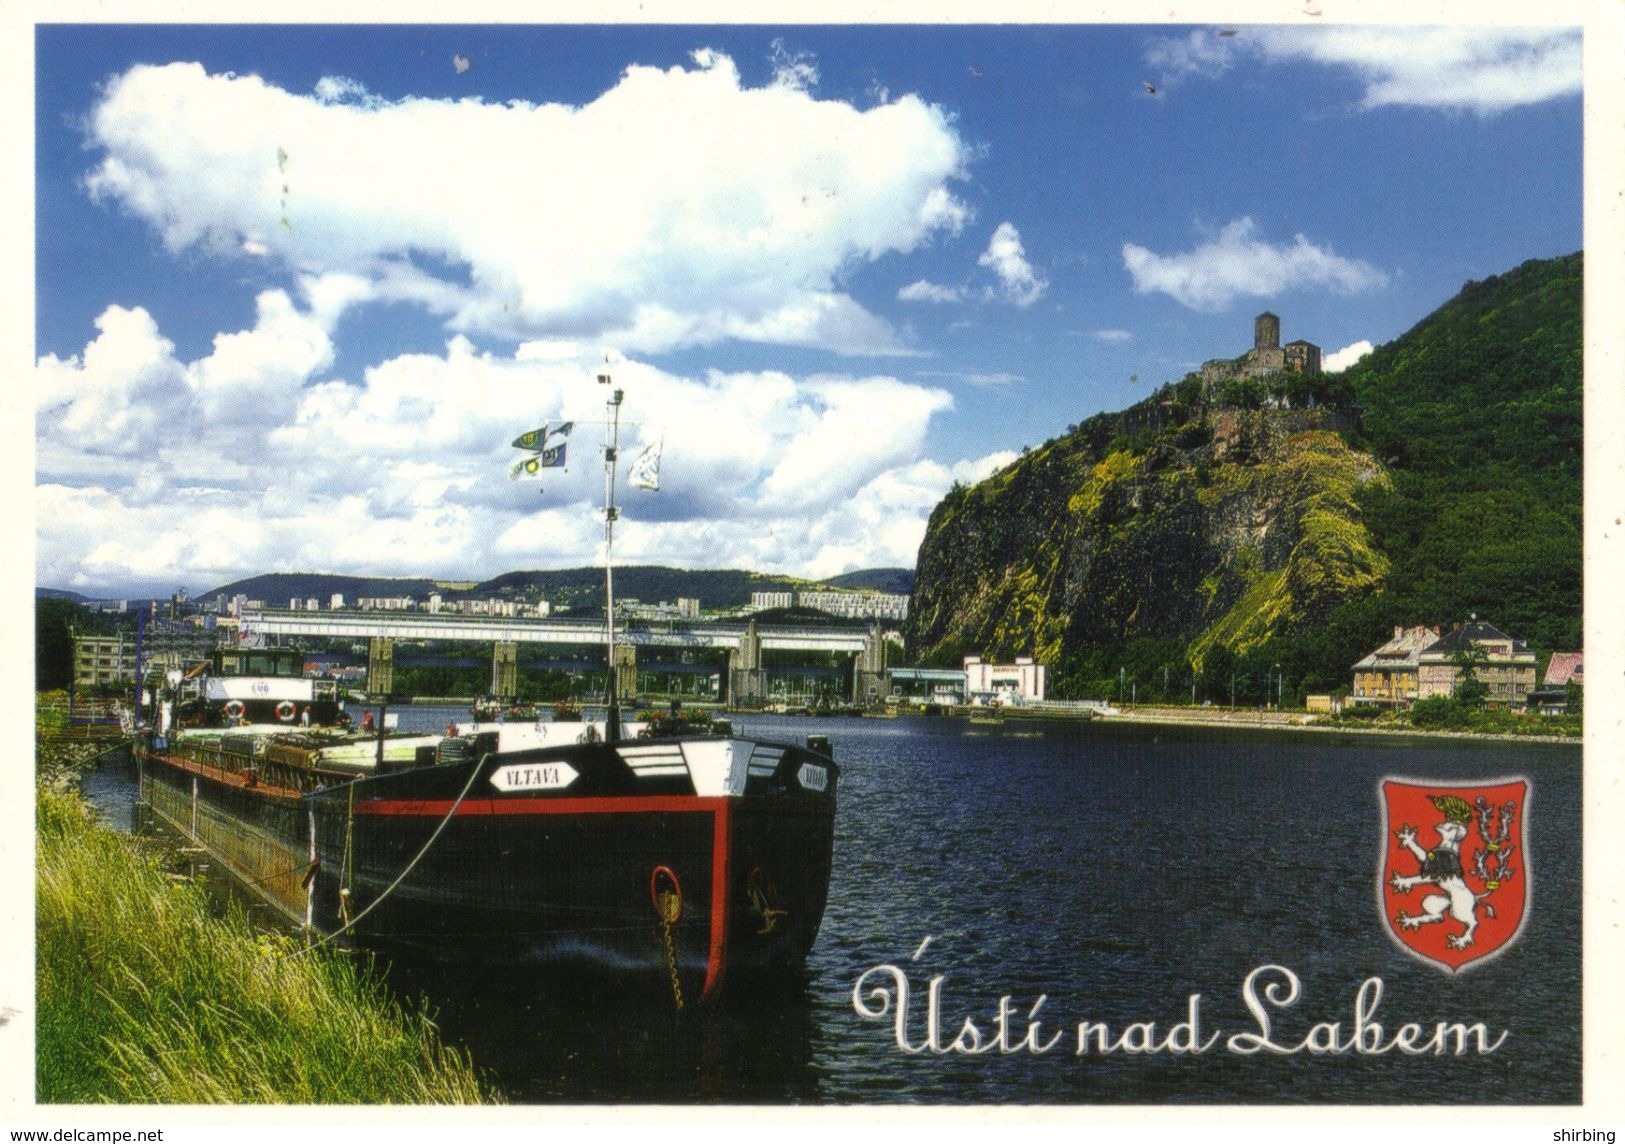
(1232, 527)
(1250, 542)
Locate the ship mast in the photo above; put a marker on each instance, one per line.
(612, 423)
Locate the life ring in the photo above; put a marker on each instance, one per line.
(285, 711)
(234, 708)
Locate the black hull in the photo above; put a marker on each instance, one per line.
(437, 862)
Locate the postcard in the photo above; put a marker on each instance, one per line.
(598, 565)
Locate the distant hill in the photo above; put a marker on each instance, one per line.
(277, 588)
(899, 581)
(584, 587)
(569, 587)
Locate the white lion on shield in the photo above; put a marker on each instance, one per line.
(1442, 867)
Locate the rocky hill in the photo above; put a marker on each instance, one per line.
(1191, 539)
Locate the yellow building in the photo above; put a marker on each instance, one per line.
(1389, 676)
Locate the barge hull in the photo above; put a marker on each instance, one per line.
(433, 863)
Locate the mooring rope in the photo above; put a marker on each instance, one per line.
(473, 774)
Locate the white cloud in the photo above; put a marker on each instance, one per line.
(884, 524)
(115, 398)
(1202, 53)
(154, 469)
(1483, 69)
(1340, 360)
(923, 291)
(973, 377)
(1113, 337)
(1235, 263)
(1018, 281)
(340, 88)
(969, 472)
(253, 376)
(797, 71)
(329, 295)
(854, 431)
(678, 208)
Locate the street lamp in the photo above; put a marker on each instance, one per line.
(1277, 687)
(167, 719)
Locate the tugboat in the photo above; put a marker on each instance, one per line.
(688, 854)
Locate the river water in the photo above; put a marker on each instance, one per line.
(1115, 871)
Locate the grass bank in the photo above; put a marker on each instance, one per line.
(1444, 713)
(144, 997)
(1435, 720)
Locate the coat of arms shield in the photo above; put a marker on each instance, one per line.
(1453, 879)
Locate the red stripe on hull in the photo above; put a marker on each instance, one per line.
(716, 964)
(633, 804)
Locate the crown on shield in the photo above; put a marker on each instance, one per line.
(1453, 807)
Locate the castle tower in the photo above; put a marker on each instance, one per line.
(1302, 357)
(1266, 331)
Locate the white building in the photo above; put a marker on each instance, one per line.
(383, 603)
(761, 601)
(857, 605)
(1015, 683)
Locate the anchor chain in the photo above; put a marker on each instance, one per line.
(667, 895)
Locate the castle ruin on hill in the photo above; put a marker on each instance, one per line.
(1267, 356)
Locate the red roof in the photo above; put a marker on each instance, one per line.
(1566, 667)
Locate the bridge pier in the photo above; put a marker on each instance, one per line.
(505, 670)
(746, 681)
(626, 671)
(380, 665)
(869, 669)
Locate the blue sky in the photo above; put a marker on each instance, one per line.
(298, 287)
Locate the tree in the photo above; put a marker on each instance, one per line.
(1218, 669)
(1470, 690)
(55, 621)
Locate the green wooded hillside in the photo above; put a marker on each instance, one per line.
(1477, 412)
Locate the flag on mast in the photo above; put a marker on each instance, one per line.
(548, 451)
(645, 471)
(553, 446)
(530, 469)
(532, 440)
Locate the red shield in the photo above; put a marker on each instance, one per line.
(1453, 880)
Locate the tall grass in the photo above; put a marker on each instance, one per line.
(143, 996)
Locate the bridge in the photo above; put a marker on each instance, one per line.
(743, 640)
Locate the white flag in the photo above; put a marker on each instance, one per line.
(530, 469)
(645, 471)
